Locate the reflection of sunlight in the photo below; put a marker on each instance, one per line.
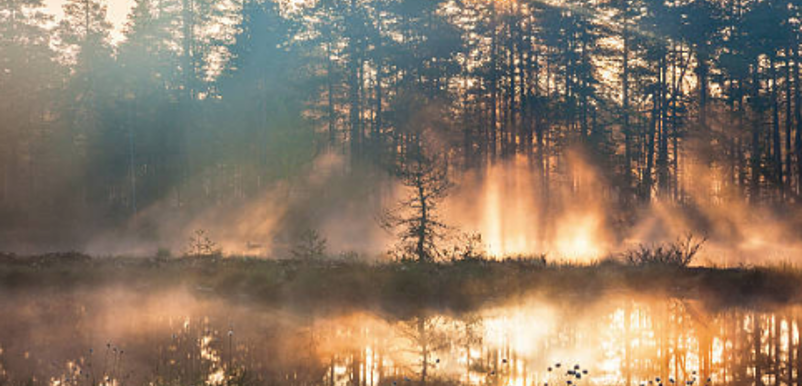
(523, 329)
(506, 345)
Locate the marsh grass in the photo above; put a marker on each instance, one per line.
(402, 285)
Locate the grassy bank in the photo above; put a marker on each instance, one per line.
(400, 287)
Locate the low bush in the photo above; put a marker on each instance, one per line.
(679, 253)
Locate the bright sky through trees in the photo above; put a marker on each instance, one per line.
(117, 13)
(566, 126)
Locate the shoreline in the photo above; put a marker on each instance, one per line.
(403, 287)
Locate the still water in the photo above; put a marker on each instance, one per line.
(131, 336)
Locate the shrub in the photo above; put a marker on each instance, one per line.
(164, 253)
(201, 245)
(679, 253)
(469, 246)
(310, 246)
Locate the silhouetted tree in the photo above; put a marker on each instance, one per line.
(415, 218)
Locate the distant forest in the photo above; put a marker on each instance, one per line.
(207, 102)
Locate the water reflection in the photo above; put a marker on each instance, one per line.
(118, 338)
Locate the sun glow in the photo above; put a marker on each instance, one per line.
(577, 238)
(509, 218)
(506, 205)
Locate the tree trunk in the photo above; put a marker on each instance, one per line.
(775, 125)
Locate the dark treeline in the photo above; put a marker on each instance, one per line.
(204, 102)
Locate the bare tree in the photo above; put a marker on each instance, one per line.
(414, 219)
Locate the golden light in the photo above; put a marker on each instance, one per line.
(577, 237)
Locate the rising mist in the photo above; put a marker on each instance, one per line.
(573, 130)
